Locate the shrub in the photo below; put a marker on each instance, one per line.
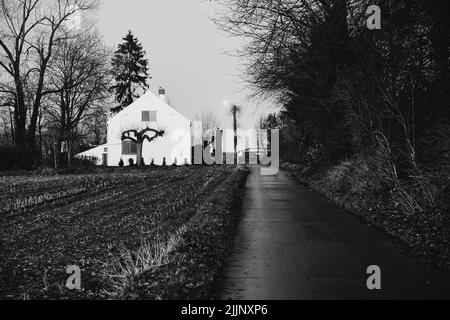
(164, 162)
(85, 162)
(338, 177)
(7, 158)
(121, 163)
(131, 162)
(11, 158)
(47, 172)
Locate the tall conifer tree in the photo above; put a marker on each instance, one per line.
(130, 71)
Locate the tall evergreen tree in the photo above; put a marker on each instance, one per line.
(130, 71)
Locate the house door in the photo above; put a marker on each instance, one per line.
(105, 159)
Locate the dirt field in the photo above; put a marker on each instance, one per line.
(49, 223)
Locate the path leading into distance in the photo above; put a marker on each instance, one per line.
(293, 244)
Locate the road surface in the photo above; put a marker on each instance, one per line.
(294, 244)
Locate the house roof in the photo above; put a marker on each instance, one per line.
(147, 99)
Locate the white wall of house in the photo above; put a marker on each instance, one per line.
(176, 142)
(95, 153)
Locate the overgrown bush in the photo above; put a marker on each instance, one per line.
(46, 171)
(339, 177)
(85, 162)
(7, 158)
(11, 158)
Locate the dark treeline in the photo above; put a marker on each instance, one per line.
(348, 90)
(374, 102)
(54, 79)
(57, 81)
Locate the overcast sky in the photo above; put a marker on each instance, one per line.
(186, 53)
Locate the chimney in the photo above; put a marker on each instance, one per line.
(162, 94)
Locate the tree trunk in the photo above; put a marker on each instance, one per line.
(40, 135)
(31, 138)
(55, 154)
(12, 128)
(235, 137)
(20, 134)
(69, 154)
(20, 114)
(235, 149)
(139, 146)
(58, 151)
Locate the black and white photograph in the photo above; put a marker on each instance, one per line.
(224, 155)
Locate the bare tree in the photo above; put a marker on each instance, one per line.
(139, 137)
(235, 111)
(261, 137)
(95, 126)
(29, 32)
(80, 74)
(210, 123)
(273, 30)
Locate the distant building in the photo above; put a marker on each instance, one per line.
(149, 111)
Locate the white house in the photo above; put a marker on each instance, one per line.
(149, 111)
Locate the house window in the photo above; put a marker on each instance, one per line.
(149, 116)
(145, 116)
(129, 148)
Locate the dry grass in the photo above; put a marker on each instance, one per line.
(370, 177)
(122, 270)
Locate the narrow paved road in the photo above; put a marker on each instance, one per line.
(293, 244)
